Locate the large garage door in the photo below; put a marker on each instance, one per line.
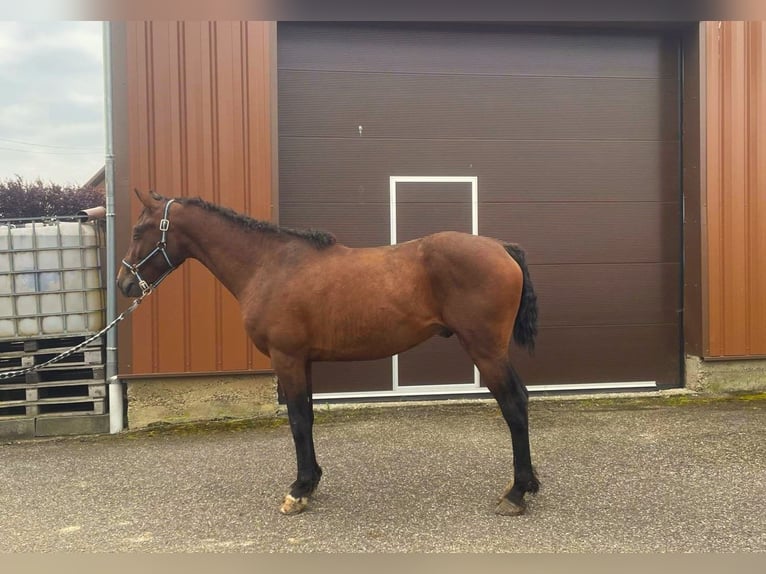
(572, 136)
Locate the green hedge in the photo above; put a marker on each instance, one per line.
(21, 199)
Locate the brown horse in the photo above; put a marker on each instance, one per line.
(306, 298)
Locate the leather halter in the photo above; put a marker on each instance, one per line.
(160, 248)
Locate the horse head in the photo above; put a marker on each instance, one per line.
(152, 253)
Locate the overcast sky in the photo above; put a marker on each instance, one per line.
(51, 101)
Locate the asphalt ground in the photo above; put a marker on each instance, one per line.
(651, 474)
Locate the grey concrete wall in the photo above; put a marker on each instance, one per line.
(13, 429)
(186, 399)
(67, 424)
(725, 376)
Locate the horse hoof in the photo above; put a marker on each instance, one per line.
(292, 505)
(506, 491)
(507, 508)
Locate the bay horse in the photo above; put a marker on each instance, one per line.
(305, 298)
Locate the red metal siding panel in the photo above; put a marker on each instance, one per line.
(736, 228)
(229, 186)
(199, 122)
(757, 186)
(166, 123)
(198, 180)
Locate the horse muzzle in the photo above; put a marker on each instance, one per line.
(128, 284)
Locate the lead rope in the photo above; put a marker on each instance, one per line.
(65, 354)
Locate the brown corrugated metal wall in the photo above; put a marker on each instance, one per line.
(736, 174)
(573, 135)
(199, 121)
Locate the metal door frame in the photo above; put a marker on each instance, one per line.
(393, 181)
(474, 388)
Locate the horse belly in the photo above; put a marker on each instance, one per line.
(362, 332)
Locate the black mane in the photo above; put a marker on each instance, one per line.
(319, 239)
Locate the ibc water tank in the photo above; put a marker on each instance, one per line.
(50, 281)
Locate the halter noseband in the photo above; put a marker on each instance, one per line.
(161, 244)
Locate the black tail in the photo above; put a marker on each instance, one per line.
(525, 327)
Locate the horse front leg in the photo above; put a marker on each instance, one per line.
(294, 377)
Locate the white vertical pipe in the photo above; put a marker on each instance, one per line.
(116, 420)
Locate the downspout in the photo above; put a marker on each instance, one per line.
(116, 420)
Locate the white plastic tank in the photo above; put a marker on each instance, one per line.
(50, 281)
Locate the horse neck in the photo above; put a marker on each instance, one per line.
(232, 254)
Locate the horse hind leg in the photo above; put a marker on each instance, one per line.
(506, 387)
(512, 397)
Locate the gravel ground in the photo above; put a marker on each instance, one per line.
(651, 474)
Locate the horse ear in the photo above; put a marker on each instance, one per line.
(150, 199)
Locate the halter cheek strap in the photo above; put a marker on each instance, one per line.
(160, 248)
